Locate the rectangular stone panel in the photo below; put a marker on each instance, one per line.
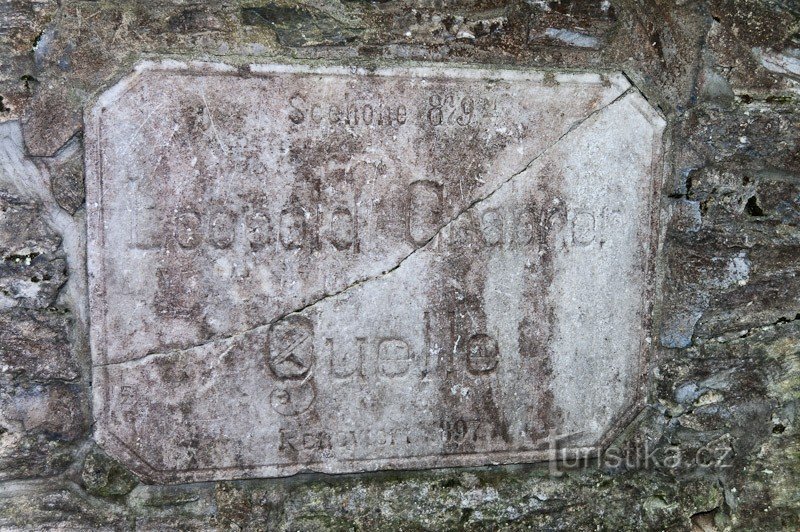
(328, 269)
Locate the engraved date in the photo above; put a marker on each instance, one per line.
(448, 109)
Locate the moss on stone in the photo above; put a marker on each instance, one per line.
(105, 477)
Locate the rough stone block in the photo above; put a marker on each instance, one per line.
(32, 268)
(35, 345)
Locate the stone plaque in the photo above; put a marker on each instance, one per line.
(327, 269)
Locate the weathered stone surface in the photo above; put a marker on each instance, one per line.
(21, 24)
(105, 476)
(570, 23)
(299, 25)
(66, 179)
(366, 270)
(35, 345)
(38, 425)
(43, 406)
(32, 269)
(49, 124)
(724, 73)
(54, 505)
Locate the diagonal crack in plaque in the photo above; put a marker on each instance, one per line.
(359, 282)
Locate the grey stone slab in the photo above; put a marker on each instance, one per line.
(326, 269)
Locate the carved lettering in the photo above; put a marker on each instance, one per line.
(292, 228)
(424, 211)
(339, 270)
(482, 353)
(187, 230)
(394, 357)
(350, 113)
(290, 351)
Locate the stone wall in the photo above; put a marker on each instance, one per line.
(717, 443)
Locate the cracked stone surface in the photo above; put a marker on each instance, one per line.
(316, 269)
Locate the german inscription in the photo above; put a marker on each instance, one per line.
(326, 269)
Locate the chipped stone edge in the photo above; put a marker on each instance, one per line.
(96, 289)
